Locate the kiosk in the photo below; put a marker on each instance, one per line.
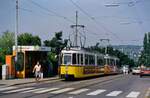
(27, 58)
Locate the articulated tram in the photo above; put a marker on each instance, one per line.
(78, 63)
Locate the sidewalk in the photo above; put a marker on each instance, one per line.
(12, 82)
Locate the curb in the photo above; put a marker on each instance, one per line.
(33, 81)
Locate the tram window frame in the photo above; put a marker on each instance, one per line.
(86, 59)
(81, 59)
(111, 62)
(78, 59)
(67, 54)
(74, 60)
(100, 61)
(91, 59)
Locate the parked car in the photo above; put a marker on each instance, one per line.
(145, 72)
(136, 71)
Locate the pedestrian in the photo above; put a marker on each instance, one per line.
(37, 71)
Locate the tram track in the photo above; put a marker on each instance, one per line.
(88, 83)
(75, 84)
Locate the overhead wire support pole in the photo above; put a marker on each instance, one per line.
(76, 36)
(75, 27)
(16, 33)
(94, 20)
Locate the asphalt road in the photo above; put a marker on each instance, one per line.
(116, 86)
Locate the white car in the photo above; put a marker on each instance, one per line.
(136, 70)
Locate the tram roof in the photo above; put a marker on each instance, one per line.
(79, 50)
(82, 50)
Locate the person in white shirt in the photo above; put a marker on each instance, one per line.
(37, 71)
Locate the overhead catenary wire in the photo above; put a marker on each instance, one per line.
(58, 15)
(93, 19)
(51, 11)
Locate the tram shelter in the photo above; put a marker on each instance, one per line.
(27, 58)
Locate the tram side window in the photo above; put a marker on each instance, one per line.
(78, 57)
(74, 58)
(100, 61)
(91, 60)
(81, 58)
(117, 62)
(86, 59)
(67, 59)
(111, 61)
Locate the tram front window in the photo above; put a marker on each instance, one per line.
(67, 59)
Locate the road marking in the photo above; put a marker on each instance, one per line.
(78, 91)
(147, 95)
(62, 90)
(46, 90)
(33, 90)
(99, 91)
(133, 94)
(18, 90)
(114, 93)
(7, 88)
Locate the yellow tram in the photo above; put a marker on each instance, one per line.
(78, 63)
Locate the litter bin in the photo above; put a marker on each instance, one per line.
(4, 72)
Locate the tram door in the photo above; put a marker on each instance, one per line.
(31, 59)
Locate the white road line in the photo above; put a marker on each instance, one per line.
(46, 90)
(133, 94)
(62, 90)
(18, 90)
(7, 88)
(36, 89)
(78, 91)
(147, 95)
(114, 93)
(99, 91)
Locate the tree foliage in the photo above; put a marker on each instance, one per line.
(28, 39)
(57, 44)
(6, 42)
(145, 55)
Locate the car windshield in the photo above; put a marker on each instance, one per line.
(136, 68)
(147, 68)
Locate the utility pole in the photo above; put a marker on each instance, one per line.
(16, 34)
(76, 35)
(75, 27)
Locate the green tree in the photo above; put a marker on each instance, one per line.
(57, 44)
(145, 55)
(28, 39)
(6, 42)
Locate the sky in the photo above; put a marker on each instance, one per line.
(123, 22)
